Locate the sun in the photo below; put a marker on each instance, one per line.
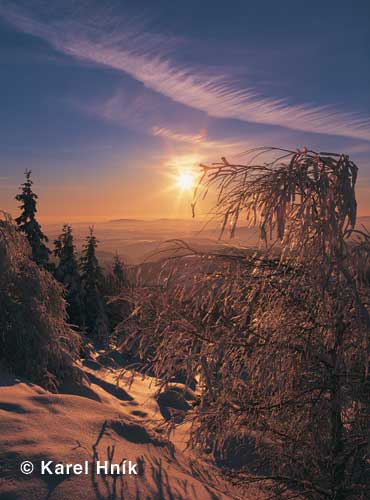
(185, 181)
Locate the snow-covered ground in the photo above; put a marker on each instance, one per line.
(99, 422)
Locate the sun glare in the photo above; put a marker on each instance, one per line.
(186, 181)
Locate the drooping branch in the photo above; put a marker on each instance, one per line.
(304, 199)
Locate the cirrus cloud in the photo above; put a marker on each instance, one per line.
(148, 57)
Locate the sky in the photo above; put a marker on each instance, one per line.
(107, 102)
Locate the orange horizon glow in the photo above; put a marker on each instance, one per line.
(163, 191)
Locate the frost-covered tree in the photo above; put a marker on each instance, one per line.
(28, 224)
(67, 272)
(279, 338)
(35, 341)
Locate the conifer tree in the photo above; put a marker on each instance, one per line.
(92, 281)
(116, 283)
(28, 224)
(67, 273)
(118, 274)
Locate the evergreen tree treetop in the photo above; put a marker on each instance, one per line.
(65, 249)
(92, 281)
(119, 269)
(28, 201)
(91, 272)
(67, 272)
(28, 224)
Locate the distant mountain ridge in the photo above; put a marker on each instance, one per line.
(126, 220)
(162, 219)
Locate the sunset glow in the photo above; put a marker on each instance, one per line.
(119, 111)
(184, 249)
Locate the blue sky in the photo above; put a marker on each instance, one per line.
(102, 99)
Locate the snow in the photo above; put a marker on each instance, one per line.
(99, 422)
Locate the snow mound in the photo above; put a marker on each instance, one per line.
(102, 422)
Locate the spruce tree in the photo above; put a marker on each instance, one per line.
(118, 274)
(92, 281)
(117, 307)
(28, 224)
(67, 273)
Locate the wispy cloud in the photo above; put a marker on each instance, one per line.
(200, 140)
(363, 148)
(145, 111)
(149, 58)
